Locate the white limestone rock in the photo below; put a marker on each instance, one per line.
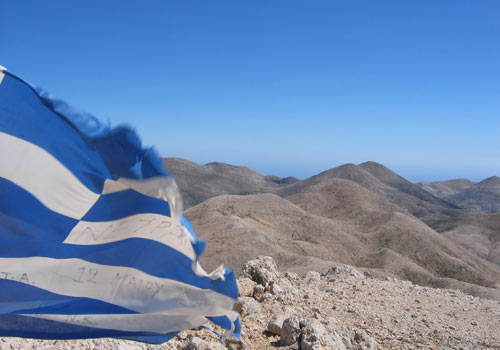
(262, 270)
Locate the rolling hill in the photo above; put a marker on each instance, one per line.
(363, 215)
(406, 199)
(443, 189)
(241, 227)
(390, 178)
(477, 232)
(482, 196)
(198, 183)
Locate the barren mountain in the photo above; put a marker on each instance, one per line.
(405, 200)
(400, 243)
(390, 178)
(281, 180)
(364, 215)
(239, 228)
(347, 202)
(349, 171)
(443, 189)
(198, 183)
(361, 229)
(479, 233)
(482, 196)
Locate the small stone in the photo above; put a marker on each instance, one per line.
(245, 287)
(312, 332)
(285, 284)
(247, 306)
(199, 344)
(324, 334)
(234, 344)
(258, 290)
(292, 276)
(364, 341)
(275, 324)
(312, 277)
(266, 297)
(262, 270)
(342, 270)
(275, 289)
(290, 331)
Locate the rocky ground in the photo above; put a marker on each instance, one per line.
(340, 308)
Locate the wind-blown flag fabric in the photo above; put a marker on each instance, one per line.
(92, 238)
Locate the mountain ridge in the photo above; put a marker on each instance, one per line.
(443, 189)
(363, 215)
(482, 196)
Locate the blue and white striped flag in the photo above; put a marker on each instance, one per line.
(92, 238)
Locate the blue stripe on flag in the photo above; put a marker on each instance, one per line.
(39, 125)
(33, 300)
(134, 252)
(23, 216)
(121, 204)
(29, 327)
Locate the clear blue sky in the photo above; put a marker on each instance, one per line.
(285, 87)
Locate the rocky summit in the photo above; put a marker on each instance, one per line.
(341, 308)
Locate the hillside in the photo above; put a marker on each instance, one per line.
(478, 233)
(482, 196)
(238, 228)
(443, 189)
(198, 183)
(399, 242)
(346, 202)
(364, 215)
(201, 182)
(390, 178)
(405, 199)
(372, 236)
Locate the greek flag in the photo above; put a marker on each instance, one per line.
(92, 238)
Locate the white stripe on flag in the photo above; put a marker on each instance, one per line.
(157, 187)
(153, 322)
(160, 228)
(112, 186)
(38, 172)
(123, 286)
(2, 74)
